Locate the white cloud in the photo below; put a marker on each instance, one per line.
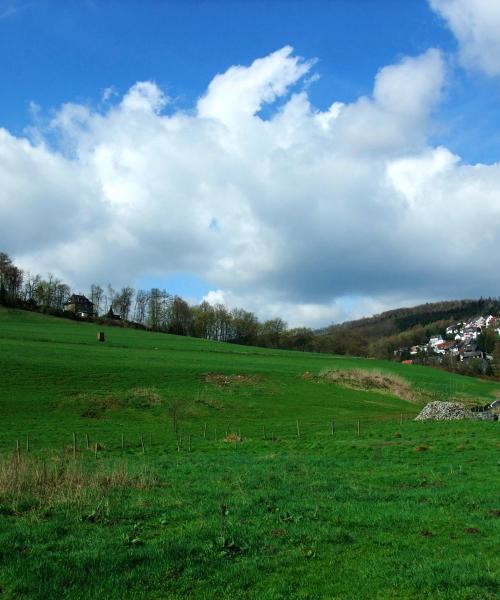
(240, 92)
(319, 215)
(476, 25)
(411, 87)
(215, 297)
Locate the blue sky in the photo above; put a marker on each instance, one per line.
(54, 53)
(57, 52)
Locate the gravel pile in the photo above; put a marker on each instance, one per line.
(444, 411)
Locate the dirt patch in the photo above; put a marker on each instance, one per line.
(222, 380)
(233, 437)
(421, 448)
(426, 533)
(278, 532)
(375, 381)
(471, 530)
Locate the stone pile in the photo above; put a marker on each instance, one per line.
(444, 411)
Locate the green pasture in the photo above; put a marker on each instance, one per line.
(220, 471)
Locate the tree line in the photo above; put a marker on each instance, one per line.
(158, 310)
(155, 309)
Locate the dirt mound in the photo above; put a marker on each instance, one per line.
(233, 437)
(444, 411)
(370, 381)
(223, 380)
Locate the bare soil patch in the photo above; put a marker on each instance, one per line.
(222, 379)
(233, 437)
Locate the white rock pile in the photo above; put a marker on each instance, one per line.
(444, 411)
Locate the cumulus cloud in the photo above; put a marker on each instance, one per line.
(476, 25)
(239, 93)
(311, 215)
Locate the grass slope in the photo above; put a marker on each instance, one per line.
(403, 510)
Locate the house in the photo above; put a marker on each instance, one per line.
(491, 321)
(445, 347)
(471, 331)
(435, 341)
(470, 350)
(455, 331)
(79, 305)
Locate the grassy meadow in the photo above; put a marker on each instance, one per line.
(154, 466)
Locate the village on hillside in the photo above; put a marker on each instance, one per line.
(460, 341)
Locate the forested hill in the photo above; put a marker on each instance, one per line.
(381, 334)
(401, 319)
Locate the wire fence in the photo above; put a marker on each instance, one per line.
(188, 436)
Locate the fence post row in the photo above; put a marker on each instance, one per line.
(94, 446)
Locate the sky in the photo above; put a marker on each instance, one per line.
(317, 161)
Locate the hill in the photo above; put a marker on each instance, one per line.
(57, 362)
(159, 466)
(381, 334)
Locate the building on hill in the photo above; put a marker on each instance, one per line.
(112, 315)
(79, 305)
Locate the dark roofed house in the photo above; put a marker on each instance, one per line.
(79, 305)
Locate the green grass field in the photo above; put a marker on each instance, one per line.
(236, 505)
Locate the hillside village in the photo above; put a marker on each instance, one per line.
(460, 341)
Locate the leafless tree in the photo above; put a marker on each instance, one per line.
(141, 304)
(96, 297)
(123, 301)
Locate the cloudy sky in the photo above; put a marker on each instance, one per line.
(318, 161)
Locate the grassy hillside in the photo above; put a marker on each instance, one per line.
(237, 505)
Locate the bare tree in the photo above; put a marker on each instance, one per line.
(29, 287)
(96, 297)
(123, 301)
(141, 303)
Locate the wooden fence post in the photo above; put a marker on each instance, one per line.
(359, 427)
(298, 428)
(74, 445)
(27, 442)
(333, 427)
(18, 450)
(205, 432)
(95, 449)
(189, 442)
(87, 440)
(123, 441)
(142, 444)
